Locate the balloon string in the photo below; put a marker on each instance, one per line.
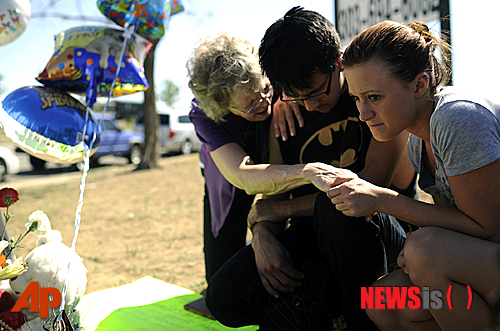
(86, 167)
(128, 33)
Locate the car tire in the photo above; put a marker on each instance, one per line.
(77, 166)
(3, 170)
(37, 163)
(93, 162)
(135, 155)
(187, 147)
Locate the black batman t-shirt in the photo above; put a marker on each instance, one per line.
(337, 138)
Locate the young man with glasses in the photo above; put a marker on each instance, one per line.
(231, 114)
(314, 97)
(285, 280)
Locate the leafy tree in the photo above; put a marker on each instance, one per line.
(169, 93)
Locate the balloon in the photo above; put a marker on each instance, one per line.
(176, 7)
(85, 62)
(14, 16)
(48, 124)
(150, 17)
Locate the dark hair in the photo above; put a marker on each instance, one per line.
(407, 50)
(296, 47)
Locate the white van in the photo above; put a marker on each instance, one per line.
(176, 133)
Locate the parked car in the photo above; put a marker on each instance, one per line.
(183, 138)
(114, 141)
(176, 132)
(118, 142)
(9, 163)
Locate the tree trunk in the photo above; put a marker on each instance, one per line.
(150, 150)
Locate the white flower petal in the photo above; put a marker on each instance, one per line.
(43, 223)
(3, 245)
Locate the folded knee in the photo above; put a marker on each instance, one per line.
(421, 244)
(235, 304)
(385, 319)
(397, 319)
(421, 253)
(213, 305)
(219, 306)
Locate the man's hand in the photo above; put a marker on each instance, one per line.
(284, 113)
(273, 262)
(267, 210)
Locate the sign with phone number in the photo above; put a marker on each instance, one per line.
(353, 16)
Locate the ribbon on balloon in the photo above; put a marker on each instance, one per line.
(94, 61)
(138, 9)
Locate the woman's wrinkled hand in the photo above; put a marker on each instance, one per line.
(325, 176)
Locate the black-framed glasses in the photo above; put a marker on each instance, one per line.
(265, 96)
(314, 97)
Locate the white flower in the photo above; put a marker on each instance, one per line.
(3, 245)
(11, 270)
(43, 223)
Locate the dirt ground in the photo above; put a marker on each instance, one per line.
(133, 223)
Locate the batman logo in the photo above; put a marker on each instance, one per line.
(338, 144)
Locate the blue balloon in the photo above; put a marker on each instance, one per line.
(49, 124)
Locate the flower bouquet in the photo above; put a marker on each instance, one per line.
(47, 264)
(8, 197)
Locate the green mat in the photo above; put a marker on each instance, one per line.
(146, 304)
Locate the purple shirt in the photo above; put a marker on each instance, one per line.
(214, 135)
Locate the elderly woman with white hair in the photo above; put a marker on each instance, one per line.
(231, 113)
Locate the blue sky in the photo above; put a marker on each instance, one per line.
(473, 38)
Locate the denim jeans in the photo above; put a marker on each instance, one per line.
(358, 251)
(344, 253)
